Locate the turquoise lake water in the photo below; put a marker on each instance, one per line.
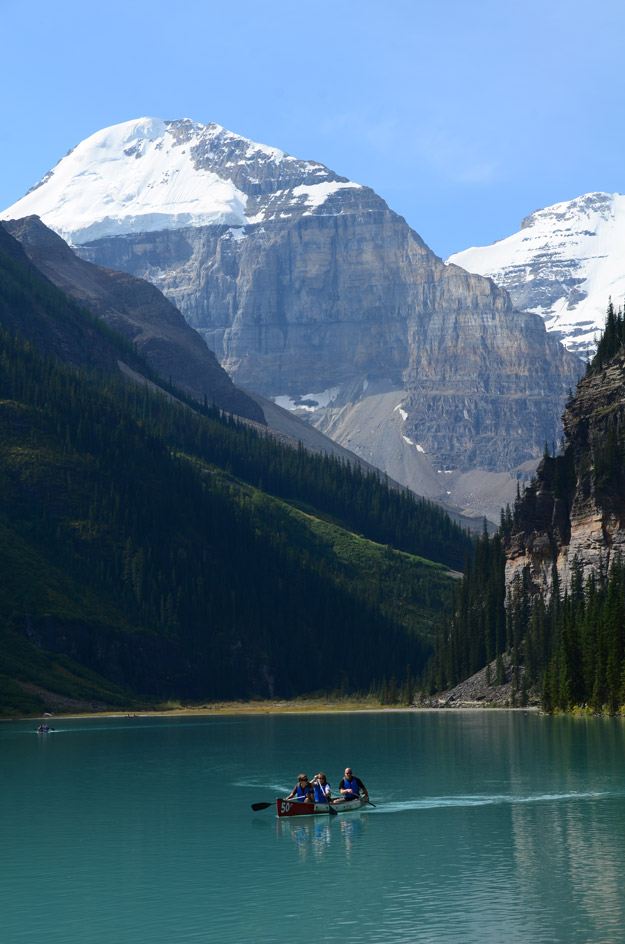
(489, 827)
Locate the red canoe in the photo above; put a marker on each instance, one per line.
(295, 808)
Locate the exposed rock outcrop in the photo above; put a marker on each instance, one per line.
(481, 691)
(573, 514)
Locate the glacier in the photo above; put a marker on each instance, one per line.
(148, 175)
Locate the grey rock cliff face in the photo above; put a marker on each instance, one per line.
(573, 514)
(292, 303)
(484, 382)
(352, 293)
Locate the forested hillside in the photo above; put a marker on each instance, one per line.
(475, 630)
(570, 648)
(176, 553)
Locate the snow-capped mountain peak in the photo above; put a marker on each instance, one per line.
(149, 174)
(565, 263)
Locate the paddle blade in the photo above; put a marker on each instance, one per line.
(332, 812)
(261, 806)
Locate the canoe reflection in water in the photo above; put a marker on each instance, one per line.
(315, 835)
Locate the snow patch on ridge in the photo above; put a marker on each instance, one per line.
(308, 401)
(316, 195)
(411, 443)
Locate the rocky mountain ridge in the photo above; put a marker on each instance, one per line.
(563, 264)
(304, 283)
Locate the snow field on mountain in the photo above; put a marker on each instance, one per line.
(141, 176)
(564, 264)
(133, 177)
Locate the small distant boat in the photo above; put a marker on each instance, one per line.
(294, 808)
(44, 729)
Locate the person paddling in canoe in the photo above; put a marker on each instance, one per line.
(351, 787)
(322, 788)
(302, 792)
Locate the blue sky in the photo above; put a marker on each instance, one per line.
(465, 117)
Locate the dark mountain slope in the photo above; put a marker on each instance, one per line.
(32, 307)
(139, 312)
(138, 542)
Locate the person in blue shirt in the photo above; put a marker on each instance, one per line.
(351, 786)
(302, 792)
(322, 788)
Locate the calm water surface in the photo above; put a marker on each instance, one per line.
(489, 827)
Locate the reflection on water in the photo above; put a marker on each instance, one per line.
(314, 834)
(488, 828)
(350, 829)
(575, 850)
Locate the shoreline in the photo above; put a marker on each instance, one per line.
(267, 708)
(476, 693)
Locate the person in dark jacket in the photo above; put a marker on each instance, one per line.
(351, 786)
